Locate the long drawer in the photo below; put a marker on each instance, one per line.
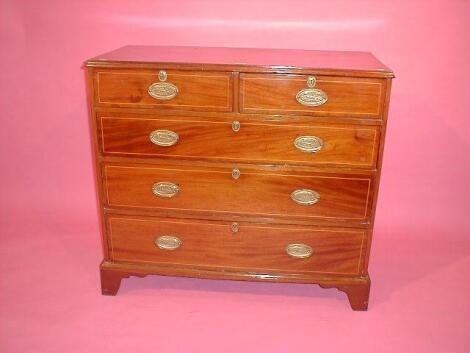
(311, 95)
(247, 191)
(173, 89)
(302, 144)
(225, 245)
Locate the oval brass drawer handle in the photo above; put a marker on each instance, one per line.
(309, 144)
(163, 90)
(168, 242)
(311, 97)
(300, 251)
(164, 138)
(165, 189)
(305, 197)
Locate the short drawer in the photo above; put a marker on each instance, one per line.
(244, 191)
(255, 247)
(312, 95)
(184, 90)
(280, 143)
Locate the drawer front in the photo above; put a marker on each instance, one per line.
(320, 96)
(244, 141)
(186, 90)
(245, 191)
(248, 246)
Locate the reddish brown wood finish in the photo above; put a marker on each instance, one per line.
(344, 63)
(111, 280)
(348, 145)
(276, 94)
(257, 88)
(252, 247)
(255, 193)
(357, 292)
(208, 91)
(356, 288)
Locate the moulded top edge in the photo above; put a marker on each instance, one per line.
(242, 59)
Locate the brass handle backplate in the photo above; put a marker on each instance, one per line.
(309, 144)
(164, 138)
(305, 197)
(165, 189)
(163, 90)
(168, 242)
(300, 251)
(311, 97)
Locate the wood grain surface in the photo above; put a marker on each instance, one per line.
(257, 142)
(252, 247)
(276, 94)
(211, 91)
(254, 192)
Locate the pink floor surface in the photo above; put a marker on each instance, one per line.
(50, 301)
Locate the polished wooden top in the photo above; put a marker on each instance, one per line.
(288, 58)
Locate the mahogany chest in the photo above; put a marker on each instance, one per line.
(244, 164)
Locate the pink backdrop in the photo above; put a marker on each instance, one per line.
(49, 255)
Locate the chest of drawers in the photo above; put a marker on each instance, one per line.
(243, 164)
